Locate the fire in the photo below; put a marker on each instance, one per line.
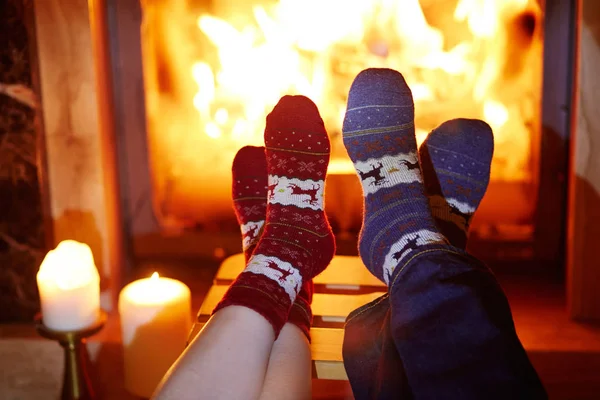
(461, 58)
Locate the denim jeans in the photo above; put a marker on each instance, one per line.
(444, 330)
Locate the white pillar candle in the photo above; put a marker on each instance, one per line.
(156, 318)
(69, 286)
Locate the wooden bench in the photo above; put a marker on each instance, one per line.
(344, 274)
(557, 355)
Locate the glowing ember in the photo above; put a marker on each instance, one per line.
(210, 91)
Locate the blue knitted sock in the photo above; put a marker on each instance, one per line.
(455, 159)
(379, 135)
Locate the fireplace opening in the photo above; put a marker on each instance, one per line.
(212, 77)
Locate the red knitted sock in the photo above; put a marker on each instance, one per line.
(297, 242)
(249, 192)
(249, 172)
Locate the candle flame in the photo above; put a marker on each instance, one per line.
(153, 290)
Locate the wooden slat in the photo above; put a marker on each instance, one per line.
(331, 307)
(326, 349)
(344, 272)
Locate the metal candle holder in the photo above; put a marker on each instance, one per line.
(77, 384)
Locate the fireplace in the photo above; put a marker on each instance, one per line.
(210, 79)
(153, 103)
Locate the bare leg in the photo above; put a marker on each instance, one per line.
(290, 356)
(227, 360)
(289, 372)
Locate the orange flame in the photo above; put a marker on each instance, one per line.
(466, 58)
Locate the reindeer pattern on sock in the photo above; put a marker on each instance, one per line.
(408, 243)
(374, 172)
(271, 188)
(410, 165)
(293, 191)
(388, 171)
(312, 192)
(411, 244)
(280, 271)
(284, 272)
(250, 233)
(452, 210)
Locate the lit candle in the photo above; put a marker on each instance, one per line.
(155, 324)
(69, 287)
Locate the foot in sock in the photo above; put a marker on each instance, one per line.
(249, 193)
(379, 135)
(455, 159)
(297, 242)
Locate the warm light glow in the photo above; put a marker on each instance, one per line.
(69, 287)
(221, 116)
(495, 114)
(212, 130)
(421, 135)
(222, 70)
(340, 167)
(153, 290)
(277, 54)
(69, 266)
